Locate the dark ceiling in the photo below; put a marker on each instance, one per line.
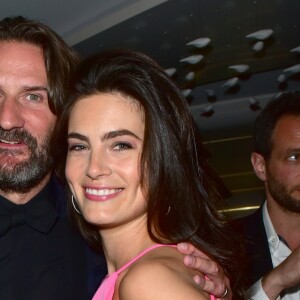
(246, 49)
(246, 52)
(164, 31)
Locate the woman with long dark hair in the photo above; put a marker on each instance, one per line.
(139, 178)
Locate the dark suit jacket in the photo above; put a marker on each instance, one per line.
(259, 261)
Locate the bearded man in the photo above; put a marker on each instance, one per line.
(42, 256)
(273, 232)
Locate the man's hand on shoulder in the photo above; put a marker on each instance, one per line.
(217, 283)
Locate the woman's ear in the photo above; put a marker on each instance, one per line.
(259, 165)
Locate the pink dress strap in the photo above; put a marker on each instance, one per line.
(140, 255)
(107, 287)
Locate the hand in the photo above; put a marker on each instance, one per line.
(285, 275)
(218, 282)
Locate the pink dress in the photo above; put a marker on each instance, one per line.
(107, 287)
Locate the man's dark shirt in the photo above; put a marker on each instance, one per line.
(54, 264)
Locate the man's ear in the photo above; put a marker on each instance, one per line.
(259, 165)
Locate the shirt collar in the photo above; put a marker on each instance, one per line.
(272, 236)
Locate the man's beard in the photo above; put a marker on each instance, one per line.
(21, 177)
(282, 196)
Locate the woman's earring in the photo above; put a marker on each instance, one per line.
(73, 203)
(168, 211)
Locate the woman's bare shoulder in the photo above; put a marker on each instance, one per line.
(160, 275)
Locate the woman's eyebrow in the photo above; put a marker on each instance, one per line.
(78, 136)
(116, 133)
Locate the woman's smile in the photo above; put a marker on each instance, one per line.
(101, 194)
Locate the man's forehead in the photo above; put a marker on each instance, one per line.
(21, 52)
(22, 62)
(287, 132)
(288, 122)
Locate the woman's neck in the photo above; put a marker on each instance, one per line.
(124, 242)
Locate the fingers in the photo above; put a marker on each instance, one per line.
(218, 289)
(227, 295)
(215, 281)
(206, 266)
(206, 285)
(186, 248)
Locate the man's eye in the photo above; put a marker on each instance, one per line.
(33, 97)
(292, 157)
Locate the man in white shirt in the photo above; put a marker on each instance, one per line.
(273, 232)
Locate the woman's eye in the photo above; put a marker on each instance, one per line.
(122, 146)
(76, 147)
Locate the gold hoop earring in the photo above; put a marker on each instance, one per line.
(73, 203)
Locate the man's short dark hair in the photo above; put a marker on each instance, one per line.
(287, 104)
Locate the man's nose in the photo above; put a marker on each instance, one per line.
(11, 114)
